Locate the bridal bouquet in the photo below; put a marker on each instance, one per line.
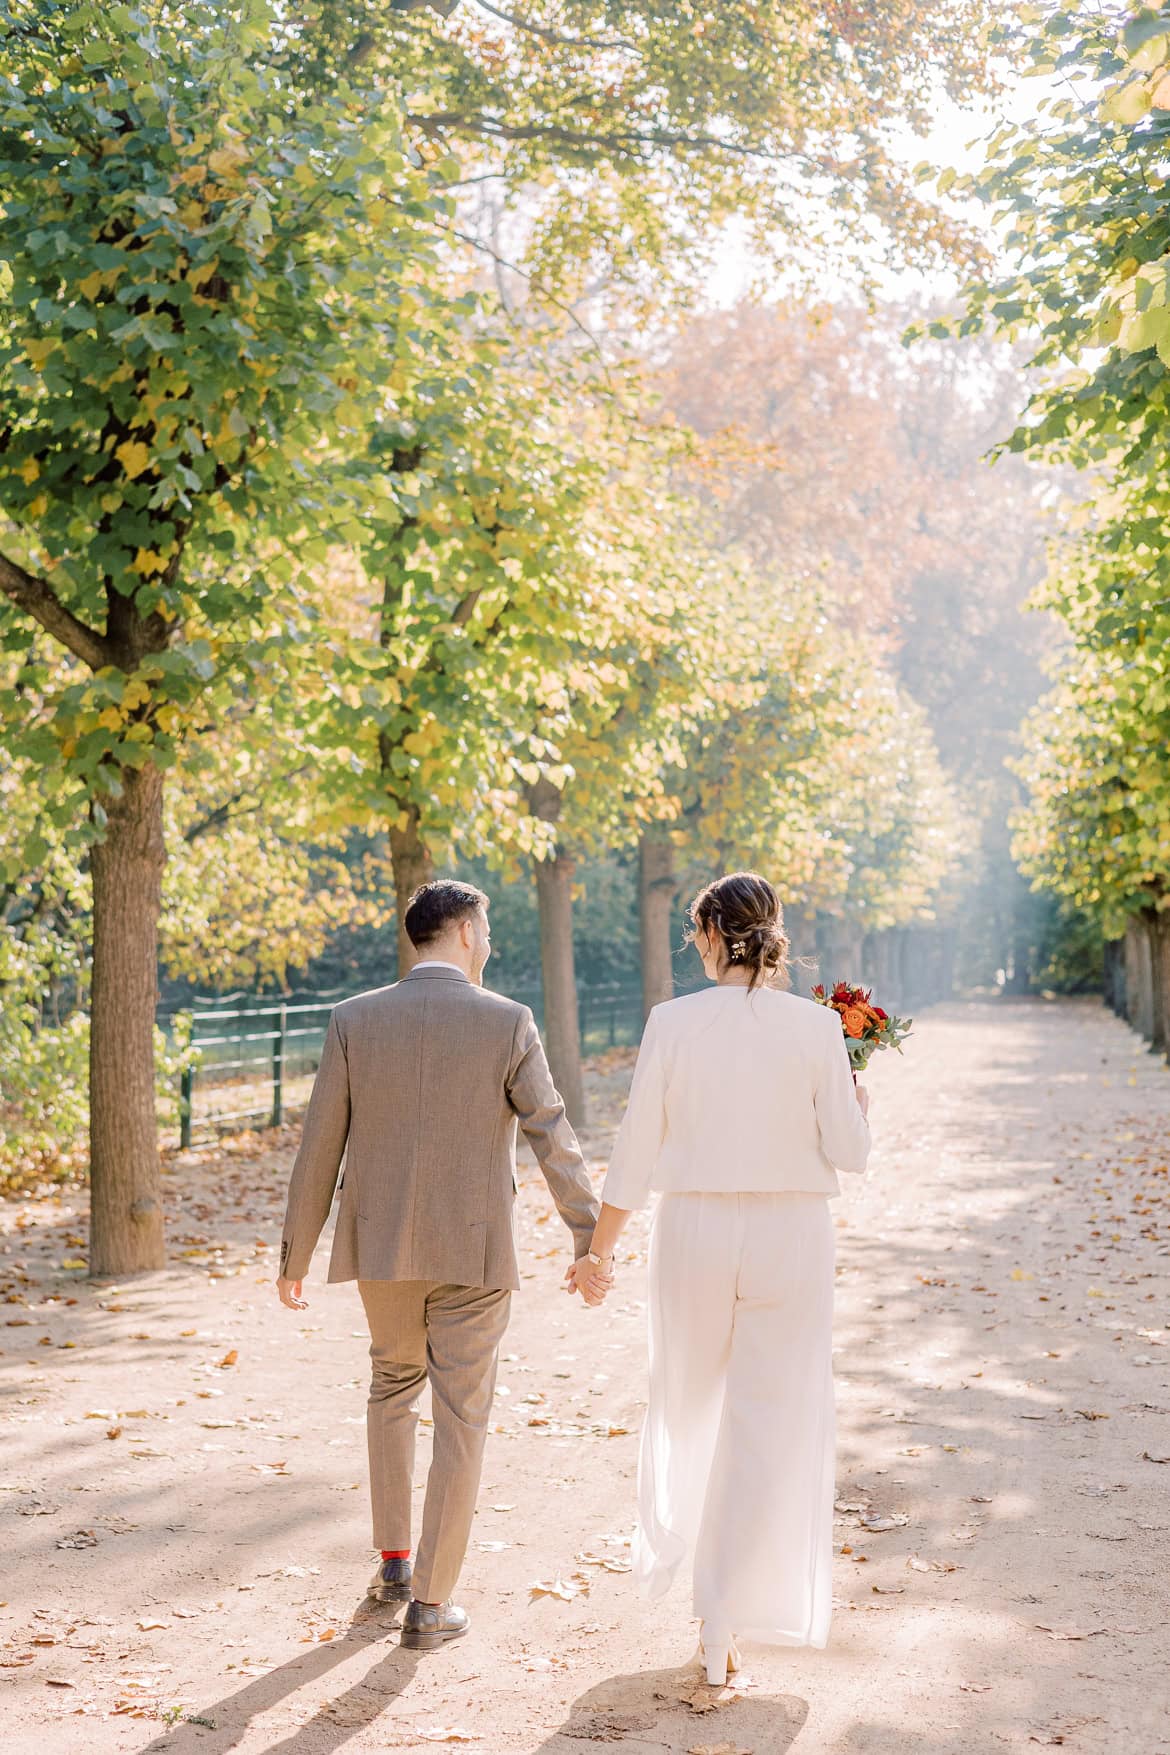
(867, 1027)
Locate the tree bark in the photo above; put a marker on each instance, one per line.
(1139, 976)
(802, 944)
(875, 963)
(412, 864)
(1020, 979)
(1159, 932)
(657, 888)
(554, 894)
(126, 1220)
(1114, 975)
(839, 947)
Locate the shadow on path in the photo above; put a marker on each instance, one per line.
(645, 1711)
(220, 1725)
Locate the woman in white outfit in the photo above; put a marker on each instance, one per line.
(742, 1109)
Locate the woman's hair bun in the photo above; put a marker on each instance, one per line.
(745, 911)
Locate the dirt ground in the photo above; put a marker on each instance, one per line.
(184, 1496)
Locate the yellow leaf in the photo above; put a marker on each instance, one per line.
(39, 351)
(224, 159)
(148, 561)
(91, 286)
(135, 694)
(29, 470)
(38, 507)
(133, 455)
(110, 718)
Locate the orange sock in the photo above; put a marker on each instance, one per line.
(395, 1553)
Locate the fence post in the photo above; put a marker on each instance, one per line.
(186, 1091)
(278, 1069)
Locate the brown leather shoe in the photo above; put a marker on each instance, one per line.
(391, 1582)
(426, 1626)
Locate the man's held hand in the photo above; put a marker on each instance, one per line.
(289, 1292)
(591, 1281)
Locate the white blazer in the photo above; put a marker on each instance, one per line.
(738, 1092)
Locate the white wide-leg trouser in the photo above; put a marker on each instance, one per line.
(737, 1455)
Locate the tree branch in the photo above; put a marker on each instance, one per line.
(532, 279)
(38, 599)
(628, 142)
(553, 36)
(227, 813)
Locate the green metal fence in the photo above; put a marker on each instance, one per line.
(253, 1057)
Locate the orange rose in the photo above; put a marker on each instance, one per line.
(854, 1020)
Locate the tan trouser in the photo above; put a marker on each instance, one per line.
(451, 1335)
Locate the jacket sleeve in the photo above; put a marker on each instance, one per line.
(845, 1136)
(314, 1174)
(643, 1129)
(541, 1114)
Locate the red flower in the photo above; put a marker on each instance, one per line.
(881, 1014)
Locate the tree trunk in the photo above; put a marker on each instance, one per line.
(1019, 981)
(909, 968)
(1114, 975)
(875, 963)
(657, 887)
(554, 894)
(839, 945)
(801, 928)
(412, 865)
(1146, 981)
(1159, 931)
(126, 1220)
(1141, 987)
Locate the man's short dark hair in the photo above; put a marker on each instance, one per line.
(436, 906)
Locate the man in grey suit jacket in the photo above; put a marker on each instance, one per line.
(421, 1085)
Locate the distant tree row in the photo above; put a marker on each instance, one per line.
(1080, 195)
(296, 489)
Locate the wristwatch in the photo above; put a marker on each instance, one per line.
(598, 1260)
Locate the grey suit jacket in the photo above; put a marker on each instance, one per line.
(421, 1085)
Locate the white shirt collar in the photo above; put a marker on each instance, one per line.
(437, 963)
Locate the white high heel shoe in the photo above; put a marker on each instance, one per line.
(719, 1657)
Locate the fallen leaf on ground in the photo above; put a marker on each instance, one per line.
(702, 1697)
(147, 1625)
(1068, 1632)
(1159, 1456)
(445, 1734)
(229, 1358)
(79, 1539)
(561, 1588)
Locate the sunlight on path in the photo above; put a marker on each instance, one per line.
(185, 1502)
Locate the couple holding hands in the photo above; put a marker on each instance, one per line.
(741, 1112)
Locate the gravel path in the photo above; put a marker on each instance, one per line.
(184, 1500)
